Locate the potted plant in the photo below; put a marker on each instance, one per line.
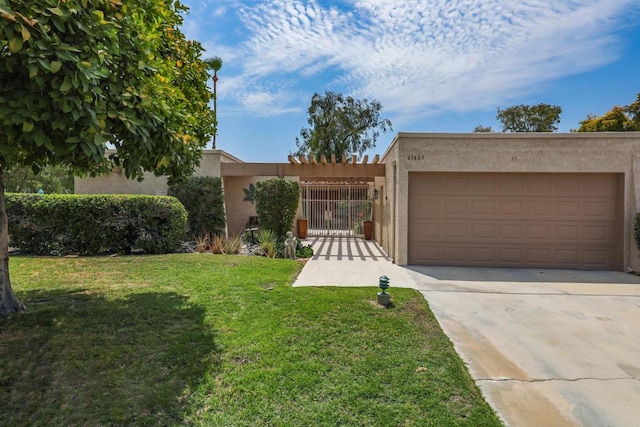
(367, 225)
(302, 228)
(368, 229)
(301, 223)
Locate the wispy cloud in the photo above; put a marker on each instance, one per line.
(415, 57)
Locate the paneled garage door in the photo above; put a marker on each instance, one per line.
(515, 220)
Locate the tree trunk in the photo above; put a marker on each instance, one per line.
(215, 106)
(9, 304)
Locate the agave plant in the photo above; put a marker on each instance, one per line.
(218, 244)
(202, 243)
(233, 244)
(267, 240)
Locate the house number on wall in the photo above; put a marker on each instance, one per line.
(415, 157)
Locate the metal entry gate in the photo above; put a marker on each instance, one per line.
(336, 209)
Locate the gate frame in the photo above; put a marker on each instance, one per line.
(332, 220)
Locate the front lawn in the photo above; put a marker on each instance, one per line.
(218, 340)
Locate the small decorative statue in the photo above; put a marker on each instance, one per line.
(290, 244)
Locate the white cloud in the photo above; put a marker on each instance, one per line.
(416, 56)
(267, 103)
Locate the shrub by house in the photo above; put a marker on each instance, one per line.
(276, 202)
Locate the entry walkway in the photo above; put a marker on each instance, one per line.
(350, 261)
(546, 347)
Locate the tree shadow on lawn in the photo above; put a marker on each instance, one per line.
(77, 359)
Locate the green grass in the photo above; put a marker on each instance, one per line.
(219, 340)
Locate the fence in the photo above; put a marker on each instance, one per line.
(336, 209)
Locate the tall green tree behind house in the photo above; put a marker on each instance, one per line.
(77, 76)
(530, 118)
(341, 125)
(482, 129)
(633, 110)
(618, 119)
(215, 64)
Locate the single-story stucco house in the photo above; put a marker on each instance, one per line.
(539, 200)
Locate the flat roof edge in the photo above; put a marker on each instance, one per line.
(517, 135)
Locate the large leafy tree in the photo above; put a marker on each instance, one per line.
(633, 110)
(618, 119)
(341, 125)
(80, 76)
(530, 118)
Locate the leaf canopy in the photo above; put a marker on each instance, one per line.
(530, 118)
(618, 119)
(80, 76)
(341, 125)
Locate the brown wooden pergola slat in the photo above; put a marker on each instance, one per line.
(309, 168)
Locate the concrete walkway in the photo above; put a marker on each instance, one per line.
(546, 347)
(348, 261)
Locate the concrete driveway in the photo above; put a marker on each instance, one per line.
(546, 347)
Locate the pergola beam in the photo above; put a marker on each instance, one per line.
(311, 168)
(318, 170)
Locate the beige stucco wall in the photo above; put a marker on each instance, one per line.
(117, 183)
(378, 210)
(492, 152)
(237, 209)
(390, 212)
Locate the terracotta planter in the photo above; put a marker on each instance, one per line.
(302, 228)
(368, 230)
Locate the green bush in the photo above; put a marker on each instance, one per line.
(203, 198)
(94, 224)
(276, 202)
(303, 251)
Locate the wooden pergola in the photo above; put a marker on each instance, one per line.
(323, 159)
(311, 168)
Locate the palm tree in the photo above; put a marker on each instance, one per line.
(215, 64)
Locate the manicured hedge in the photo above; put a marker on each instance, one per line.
(276, 204)
(203, 198)
(94, 224)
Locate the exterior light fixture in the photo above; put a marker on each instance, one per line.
(375, 194)
(383, 297)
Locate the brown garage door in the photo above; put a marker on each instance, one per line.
(514, 220)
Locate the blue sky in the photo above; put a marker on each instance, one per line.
(435, 65)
